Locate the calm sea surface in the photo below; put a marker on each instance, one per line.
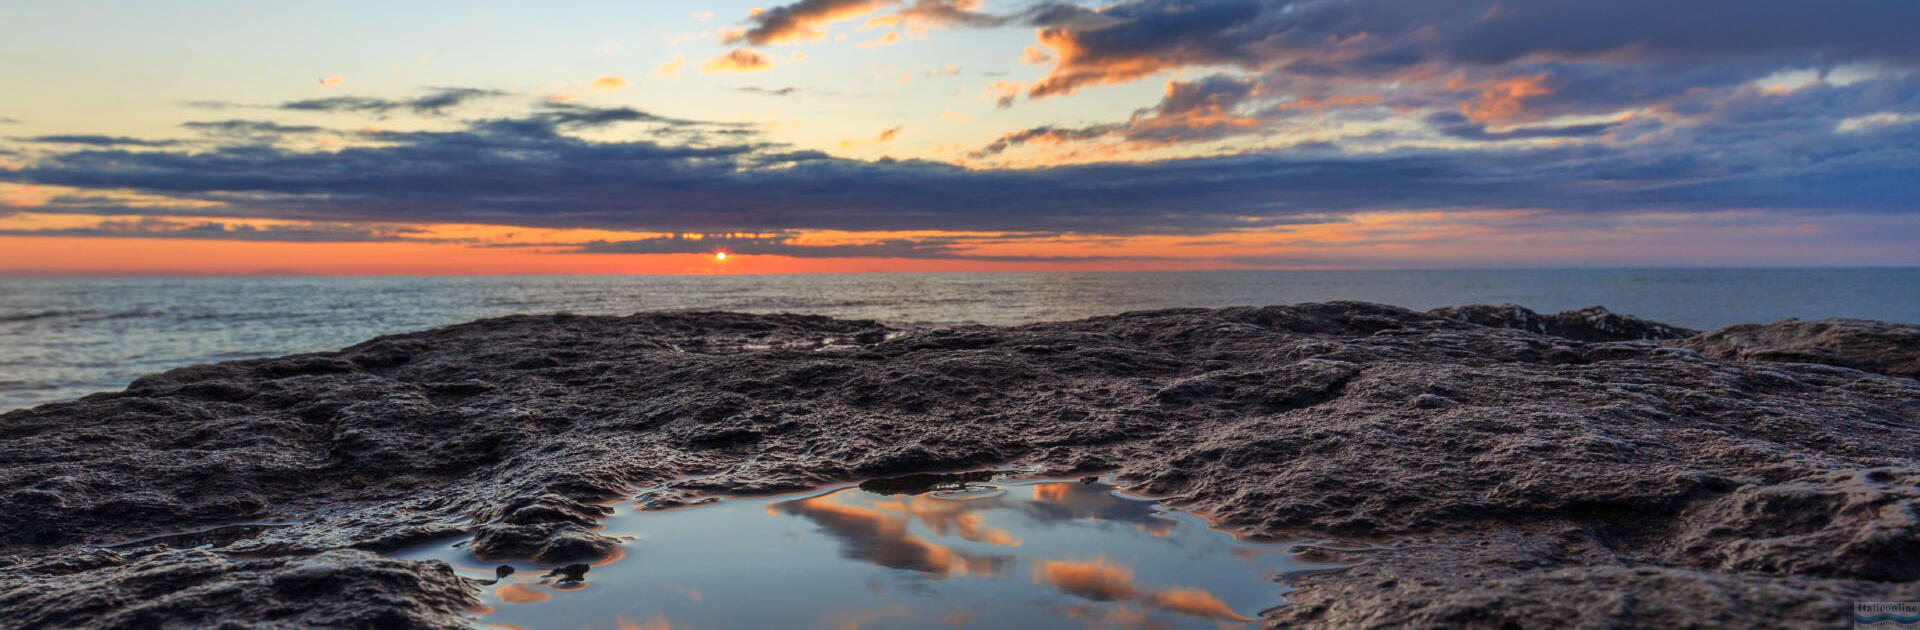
(63, 338)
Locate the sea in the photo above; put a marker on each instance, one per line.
(61, 338)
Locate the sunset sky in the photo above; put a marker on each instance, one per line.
(229, 137)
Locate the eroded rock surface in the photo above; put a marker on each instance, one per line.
(1588, 468)
(1892, 349)
(1593, 323)
(204, 589)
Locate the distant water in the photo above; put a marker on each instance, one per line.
(63, 338)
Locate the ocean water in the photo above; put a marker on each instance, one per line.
(64, 338)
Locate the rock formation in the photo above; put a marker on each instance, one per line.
(1489, 466)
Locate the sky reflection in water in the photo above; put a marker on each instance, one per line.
(1010, 554)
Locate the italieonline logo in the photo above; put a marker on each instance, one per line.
(1886, 616)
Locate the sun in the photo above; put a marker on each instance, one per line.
(719, 255)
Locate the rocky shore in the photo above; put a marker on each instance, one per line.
(1487, 466)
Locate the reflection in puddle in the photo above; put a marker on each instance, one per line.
(1009, 554)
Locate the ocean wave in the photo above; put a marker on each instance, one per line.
(37, 315)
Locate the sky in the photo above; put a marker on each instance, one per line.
(202, 137)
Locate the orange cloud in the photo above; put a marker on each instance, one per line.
(332, 81)
(799, 22)
(1503, 100)
(739, 60)
(1002, 93)
(1195, 602)
(888, 39)
(671, 69)
(1051, 492)
(609, 84)
(1035, 55)
(885, 136)
(28, 196)
(947, 518)
(1098, 579)
(925, 15)
(1076, 67)
(881, 537)
(520, 594)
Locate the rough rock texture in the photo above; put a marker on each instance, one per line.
(160, 588)
(1892, 349)
(1511, 468)
(1593, 323)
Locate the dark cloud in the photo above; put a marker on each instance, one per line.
(738, 60)
(433, 104)
(1381, 38)
(152, 227)
(1837, 31)
(1047, 134)
(673, 177)
(1457, 126)
(1141, 38)
(1191, 111)
(941, 14)
(8, 121)
(250, 128)
(571, 115)
(100, 141)
(800, 21)
(807, 20)
(785, 91)
(1475, 70)
(938, 247)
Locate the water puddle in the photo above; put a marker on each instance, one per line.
(967, 553)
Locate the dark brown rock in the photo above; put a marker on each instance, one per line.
(1885, 348)
(203, 589)
(1593, 323)
(1582, 469)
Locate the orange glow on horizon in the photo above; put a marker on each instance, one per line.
(91, 245)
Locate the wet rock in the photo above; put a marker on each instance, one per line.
(1586, 465)
(544, 543)
(926, 482)
(570, 574)
(671, 499)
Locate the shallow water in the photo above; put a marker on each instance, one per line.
(1006, 554)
